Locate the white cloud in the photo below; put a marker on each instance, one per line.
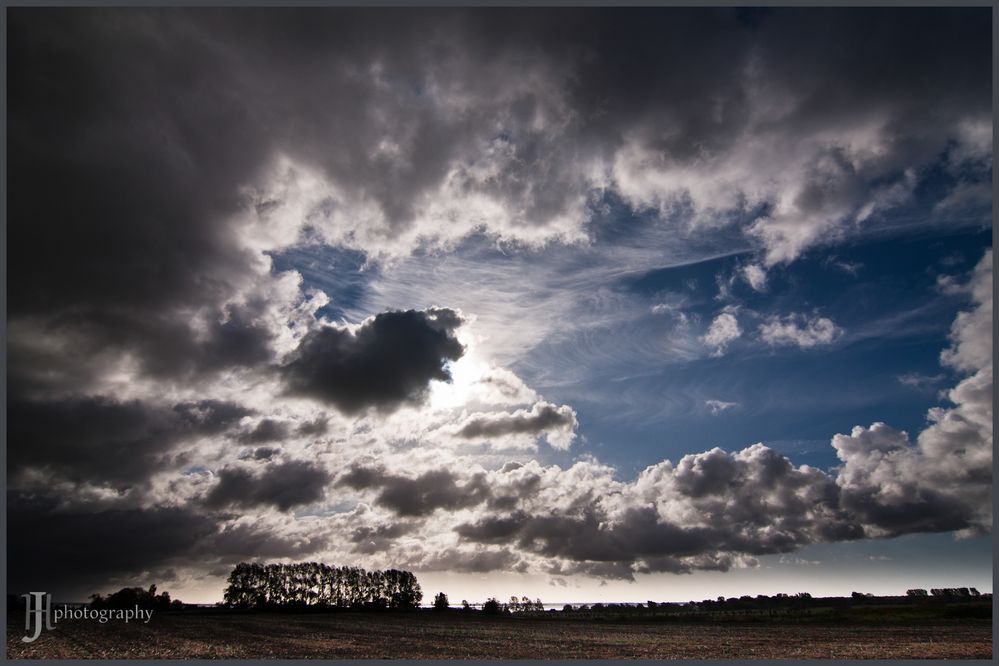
(557, 424)
(944, 480)
(798, 330)
(723, 330)
(971, 332)
(755, 276)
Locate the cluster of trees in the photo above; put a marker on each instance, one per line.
(524, 604)
(314, 584)
(515, 605)
(130, 597)
(955, 592)
(492, 606)
(944, 592)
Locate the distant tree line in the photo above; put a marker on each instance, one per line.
(955, 592)
(762, 601)
(492, 606)
(318, 585)
(130, 597)
(524, 605)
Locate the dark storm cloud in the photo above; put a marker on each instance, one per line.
(928, 510)
(706, 512)
(509, 495)
(703, 513)
(477, 561)
(248, 541)
(125, 160)
(211, 416)
(387, 362)
(637, 542)
(268, 430)
(421, 495)
(73, 552)
(102, 440)
(896, 61)
(361, 478)
(714, 508)
(586, 537)
(370, 539)
(148, 123)
(281, 485)
(496, 529)
(264, 453)
(611, 570)
(896, 488)
(630, 81)
(316, 427)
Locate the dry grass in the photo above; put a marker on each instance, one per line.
(429, 635)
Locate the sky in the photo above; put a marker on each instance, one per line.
(578, 304)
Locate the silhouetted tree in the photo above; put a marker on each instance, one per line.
(491, 607)
(130, 597)
(441, 602)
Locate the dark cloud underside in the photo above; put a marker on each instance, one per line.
(99, 439)
(389, 361)
(281, 485)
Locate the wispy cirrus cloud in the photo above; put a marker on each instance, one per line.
(719, 406)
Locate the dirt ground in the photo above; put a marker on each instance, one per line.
(428, 635)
